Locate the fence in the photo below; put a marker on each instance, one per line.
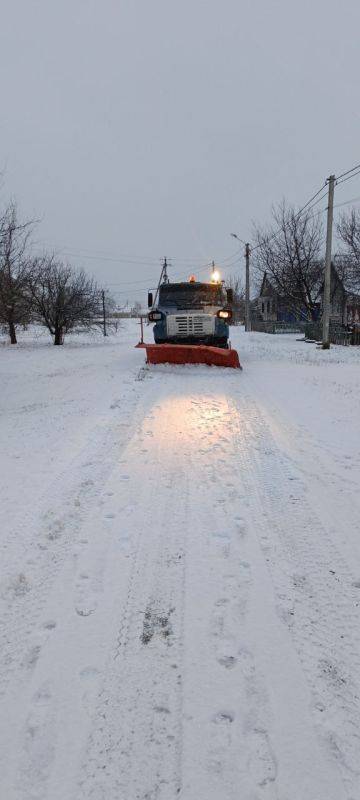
(338, 334)
(277, 327)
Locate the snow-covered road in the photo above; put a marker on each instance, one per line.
(180, 580)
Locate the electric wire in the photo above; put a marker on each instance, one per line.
(357, 166)
(226, 262)
(347, 202)
(306, 206)
(338, 183)
(298, 214)
(105, 255)
(100, 255)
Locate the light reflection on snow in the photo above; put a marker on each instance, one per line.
(197, 422)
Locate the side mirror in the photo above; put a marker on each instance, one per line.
(150, 299)
(230, 295)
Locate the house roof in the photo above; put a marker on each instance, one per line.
(267, 288)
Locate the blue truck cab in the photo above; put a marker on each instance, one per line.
(191, 313)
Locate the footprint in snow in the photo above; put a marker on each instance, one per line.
(222, 534)
(88, 673)
(49, 625)
(261, 763)
(161, 710)
(223, 718)
(241, 526)
(19, 586)
(85, 611)
(42, 696)
(32, 656)
(227, 661)
(223, 601)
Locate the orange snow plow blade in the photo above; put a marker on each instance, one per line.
(191, 354)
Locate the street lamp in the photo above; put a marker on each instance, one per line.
(247, 281)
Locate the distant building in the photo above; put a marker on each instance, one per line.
(338, 297)
(353, 309)
(271, 306)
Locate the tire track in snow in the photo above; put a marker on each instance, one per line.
(185, 703)
(61, 521)
(139, 716)
(57, 522)
(316, 594)
(227, 750)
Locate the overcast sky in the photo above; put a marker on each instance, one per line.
(141, 128)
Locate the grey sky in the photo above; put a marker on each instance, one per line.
(138, 128)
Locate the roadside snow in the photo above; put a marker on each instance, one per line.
(180, 573)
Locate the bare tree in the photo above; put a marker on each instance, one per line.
(110, 303)
(348, 263)
(238, 304)
(14, 271)
(63, 298)
(136, 309)
(289, 251)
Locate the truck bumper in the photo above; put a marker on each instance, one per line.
(211, 341)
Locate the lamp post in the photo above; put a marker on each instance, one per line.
(247, 281)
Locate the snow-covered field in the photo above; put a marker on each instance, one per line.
(180, 573)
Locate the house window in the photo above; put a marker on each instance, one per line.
(262, 307)
(268, 306)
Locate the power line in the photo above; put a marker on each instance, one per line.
(338, 205)
(357, 166)
(348, 178)
(142, 284)
(319, 200)
(311, 199)
(99, 255)
(308, 203)
(297, 215)
(128, 283)
(347, 202)
(203, 268)
(75, 254)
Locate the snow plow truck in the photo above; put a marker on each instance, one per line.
(191, 323)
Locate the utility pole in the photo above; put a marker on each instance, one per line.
(247, 287)
(327, 275)
(165, 275)
(104, 315)
(164, 278)
(247, 281)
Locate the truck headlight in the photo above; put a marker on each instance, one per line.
(225, 313)
(155, 316)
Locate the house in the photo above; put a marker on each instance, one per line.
(267, 304)
(273, 307)
(353, 309)
(338, 297)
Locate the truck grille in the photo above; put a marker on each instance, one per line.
(190, 325)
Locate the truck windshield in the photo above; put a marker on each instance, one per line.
(190, 295)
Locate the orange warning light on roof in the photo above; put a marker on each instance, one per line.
(192, 279)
